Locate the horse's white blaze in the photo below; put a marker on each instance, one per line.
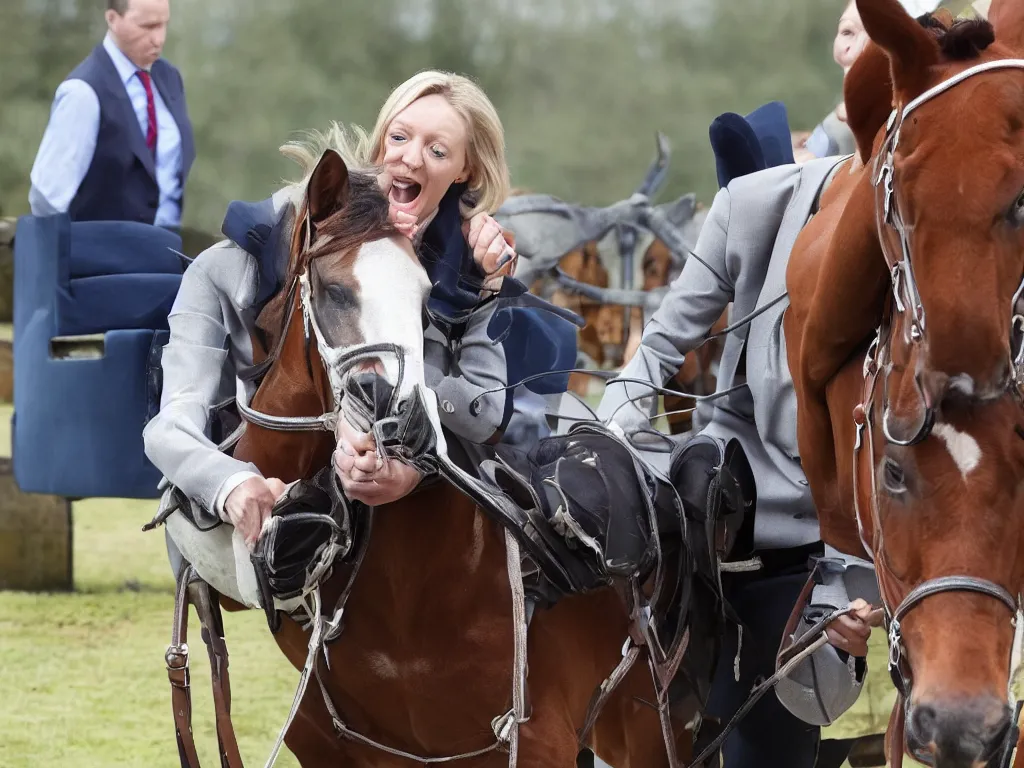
(962, 447)
(393, 287)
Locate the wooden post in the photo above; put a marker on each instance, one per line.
(35, 538)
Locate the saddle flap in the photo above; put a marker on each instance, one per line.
(716, 486)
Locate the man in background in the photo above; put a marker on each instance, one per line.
(119, 145)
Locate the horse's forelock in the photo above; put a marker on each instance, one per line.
(966, 39)
(364, 217)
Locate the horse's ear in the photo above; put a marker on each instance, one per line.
(867, 93)
(1007, 19)
(327, 191)
(910, 47)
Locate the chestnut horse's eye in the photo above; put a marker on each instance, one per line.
(1017, 211)
(894, 480)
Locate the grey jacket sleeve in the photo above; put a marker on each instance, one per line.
(476, 366)
(827, 684)
(694, 302)
(194, 363)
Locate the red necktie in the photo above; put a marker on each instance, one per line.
(150, 110)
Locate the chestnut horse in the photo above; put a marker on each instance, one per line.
(910, 425)
(424, 664)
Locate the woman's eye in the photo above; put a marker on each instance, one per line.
(438, 152)
(397, 137)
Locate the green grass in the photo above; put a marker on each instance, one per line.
(84, 683)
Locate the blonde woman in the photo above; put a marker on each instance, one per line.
(439, 154)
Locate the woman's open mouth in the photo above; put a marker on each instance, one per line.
(404, 192)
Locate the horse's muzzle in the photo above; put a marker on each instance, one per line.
(401, 429)
(958, 734)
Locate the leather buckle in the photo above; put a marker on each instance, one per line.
(176, 659)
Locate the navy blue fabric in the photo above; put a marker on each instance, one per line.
(535, 341)
(77, 429)
(744, 145)
(120, 184)
(256, 229)
(116, 275)
(444, 253)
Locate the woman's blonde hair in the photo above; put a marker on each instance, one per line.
(488, 177)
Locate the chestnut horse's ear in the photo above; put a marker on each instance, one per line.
(1007, 19)
(327, 191)
(910, 47)
(867, 93)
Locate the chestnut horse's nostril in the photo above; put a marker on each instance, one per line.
(959, 734)
(923, 727)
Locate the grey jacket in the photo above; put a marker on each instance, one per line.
(746, 242)
(210, 339)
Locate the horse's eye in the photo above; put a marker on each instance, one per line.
(894, 479)
(341, 295)
(1017, 211)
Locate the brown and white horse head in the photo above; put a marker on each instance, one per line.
(944, 520)
(949, 181)
(361, 294)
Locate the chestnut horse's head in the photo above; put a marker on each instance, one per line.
(949, 185)
(347, 327)
(944, 520)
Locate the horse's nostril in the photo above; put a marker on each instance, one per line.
(960, 733)
(923, 724)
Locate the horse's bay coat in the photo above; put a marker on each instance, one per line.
(747, 239)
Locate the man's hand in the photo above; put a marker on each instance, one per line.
(364, 477)
(248, 506)
(850, 632)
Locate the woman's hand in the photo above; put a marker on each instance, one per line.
(850, 633)
(364, 477)
(493, 248)
(249, 504)
(404, 222)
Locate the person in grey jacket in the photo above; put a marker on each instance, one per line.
(743, 251)
(438, 148)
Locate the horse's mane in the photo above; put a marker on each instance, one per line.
(965, 39)
(351, 142)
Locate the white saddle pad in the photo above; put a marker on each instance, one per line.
(221, 559)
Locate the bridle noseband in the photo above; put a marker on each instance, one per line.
(906, 301)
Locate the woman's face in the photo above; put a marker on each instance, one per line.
(850, 38)
(425, 151)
